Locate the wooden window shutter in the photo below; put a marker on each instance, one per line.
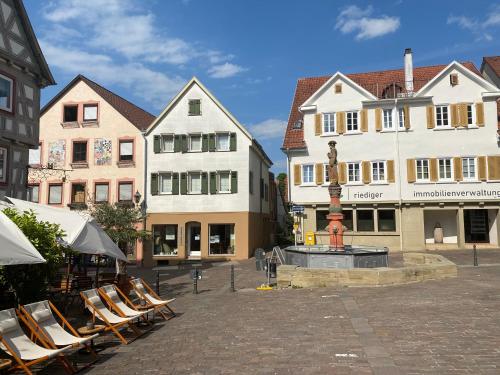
(457, 169)
(406, 115)
(364, 120)
(481, 166)
(430, 117)
(494, 167)
(410, 170)
(319, 174)
(232, 142)
(184, 143)
(154, 183)
(204, 183)
(479, 114)
(462, 114)
(433, 169)
(175, 183)
(183, 183)
(213, 183)
(391, 177)
(454, 115)
(156, 144)
(378, 119)
(234, 182)
(211, 142)
(342, 172)
(297, 178)
(317, 124)
(204, 143)
(338, 88)
(177, 143)
(340, 122)
(365, 166)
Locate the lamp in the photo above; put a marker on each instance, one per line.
(137, 197)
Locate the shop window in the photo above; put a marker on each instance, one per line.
(89, 112)
(165, 240)
(101, 192)
(386, 220)
(77, 193)
(34, 193)
(194, 107)
(55, 194)
(80, 152)
(3, 164)
(70, 113)
(321, 220)
(348, 221)
(125, 191)
(365, 221)
(222, 239)
(126, 151)
(6, 91)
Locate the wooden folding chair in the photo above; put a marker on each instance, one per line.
(117, 301)
(147, 294)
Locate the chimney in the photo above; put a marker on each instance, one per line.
(408, 71)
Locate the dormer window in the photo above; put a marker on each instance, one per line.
(6, 90)
(194, 107)
(338, 88)
(89, 112)
(453, 79)
(297, 125)
(70, 113)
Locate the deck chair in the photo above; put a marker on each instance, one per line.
(25, 352)
(40, 316)
(113, 322)
(145, 293)
(122, 306)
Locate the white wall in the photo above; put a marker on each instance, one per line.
(492, 219)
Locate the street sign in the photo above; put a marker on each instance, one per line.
(297, 209)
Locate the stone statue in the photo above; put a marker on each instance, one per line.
(333, 173)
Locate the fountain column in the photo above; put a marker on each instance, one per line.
(335, 216)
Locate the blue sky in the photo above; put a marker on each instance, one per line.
(251, 53)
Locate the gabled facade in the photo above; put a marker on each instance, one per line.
(23, 73)
(97, 136)
(417, 150)
(207, 182)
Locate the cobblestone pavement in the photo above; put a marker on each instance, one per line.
(435, 327)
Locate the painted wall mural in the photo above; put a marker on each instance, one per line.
(57, 153)
(102, 151)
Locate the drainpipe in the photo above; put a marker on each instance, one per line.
(398, 157)
(288, 186)
(144, 187)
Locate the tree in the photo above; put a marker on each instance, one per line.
(30, 281)
(282, 184)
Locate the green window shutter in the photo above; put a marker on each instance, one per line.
(175, 183)
(211, 142)
(213, 183)
(156, 145)
(154, 183)
(204, 143)
(234, 182)
(204, 183)
(177, 143)
(184, 143)
(232, 142)
(184, 185)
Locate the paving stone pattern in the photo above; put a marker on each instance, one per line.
(435, 327)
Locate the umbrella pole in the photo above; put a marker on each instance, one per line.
(97, 272)
(67, 273)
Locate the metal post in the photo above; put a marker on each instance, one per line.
(195, 281)
(158, 282)
(232, 278)
(268, 262)
(475, 254)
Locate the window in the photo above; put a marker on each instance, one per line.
(90, 112)
(445, 170)
(308, 174)
(6, 91)
(469, 114)
(222, 141)
(222, 239)
(167, 143)
(125, 191)
(401, 118)
(352, 121)
(365, 221)
(348, 222)
(328, 123)
(194, 142)
(261, 188)
(70, 113)
(80, 152)
(297, 125)
(55, 193)
(353, 172)
(469, 168)
(194, 107)
(266, 192)
(3, 164)
(250, 182)
(224, 182)
(386, 220)
(126, 151)
(101, 192)
(378, 171)
(34, 157)
(77, 193)
(321, 221)
(194, 182)
(422, 170)
(387, 119)
(165, 183)
(34, 193)
(165, 239)
(442, 116)
(326, 177)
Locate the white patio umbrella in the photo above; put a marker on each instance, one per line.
(15, 248)
(83, 234)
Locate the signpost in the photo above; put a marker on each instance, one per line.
(297, 211)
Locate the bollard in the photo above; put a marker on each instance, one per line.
(195, 281)
(232, 278)
(475, 254)
(158, 282)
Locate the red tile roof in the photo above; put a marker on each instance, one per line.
(494, 63)
(374, 82)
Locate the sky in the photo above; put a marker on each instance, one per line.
(249, 54)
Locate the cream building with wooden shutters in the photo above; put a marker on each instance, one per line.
(419, 159)
(208, 193)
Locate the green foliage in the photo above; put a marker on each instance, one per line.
(285, 236)
(282, 183)
(30, 281)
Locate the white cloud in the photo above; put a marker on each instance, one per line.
(225, 70)
(354, 19)
(268, 129)
(481, 29)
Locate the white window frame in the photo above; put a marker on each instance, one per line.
(131, 141)
(161, 176)
(472, 122)
(87, 105)
(106, 184)
(423, 162)
(162, 142)
(190, 148)
(10, 107)
(219, 175)
(401, 118)
(217, 135)
(445, 179)
(329, 121)
(326, 177)
(384, 167)
(60, 195)
(387, 119)
(189, 182)
(475, 178)
(3, 176)
(120, 184)
(355, 166)
(304, 182)
(439, 116)
(347, 122)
